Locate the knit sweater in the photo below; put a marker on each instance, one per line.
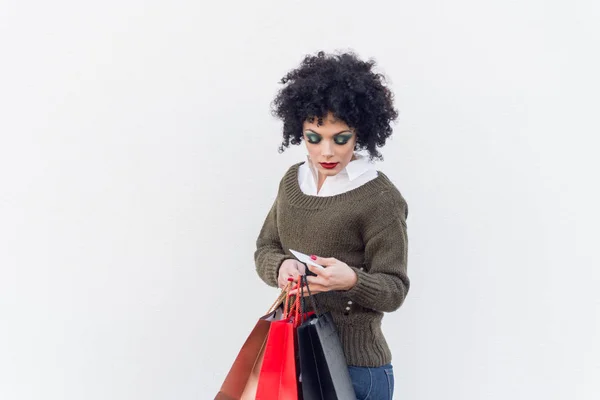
(365, 228)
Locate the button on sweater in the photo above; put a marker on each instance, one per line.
(365, 228)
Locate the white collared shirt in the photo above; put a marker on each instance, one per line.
(357, 173)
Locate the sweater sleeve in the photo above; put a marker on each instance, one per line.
(269, 253)
(385, 285)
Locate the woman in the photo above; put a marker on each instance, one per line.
(338, 208)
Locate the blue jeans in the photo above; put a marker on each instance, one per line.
(373, 383)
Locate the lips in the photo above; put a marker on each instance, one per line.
(329, 165)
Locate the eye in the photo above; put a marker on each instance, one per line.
(313, 138)
(342, 139)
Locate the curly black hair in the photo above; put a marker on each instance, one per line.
(343, 85)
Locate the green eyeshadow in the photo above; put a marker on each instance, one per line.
(342, 139)
(313, 138)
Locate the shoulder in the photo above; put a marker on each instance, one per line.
(389, 199)
(384, 208)
(290, 174)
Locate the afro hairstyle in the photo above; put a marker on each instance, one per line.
(341, 84)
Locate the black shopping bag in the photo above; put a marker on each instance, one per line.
(323, 369)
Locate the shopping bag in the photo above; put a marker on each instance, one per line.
(242, 379)
(324, 369)
(278, 379)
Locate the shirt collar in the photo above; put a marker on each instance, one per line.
(353, 170)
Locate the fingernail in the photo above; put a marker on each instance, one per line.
(313, 257)
(290, 279)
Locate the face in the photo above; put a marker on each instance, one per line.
(330, 146)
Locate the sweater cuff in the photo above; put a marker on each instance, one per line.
(366, 290)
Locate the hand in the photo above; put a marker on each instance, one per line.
(336, 275)
(289, 268)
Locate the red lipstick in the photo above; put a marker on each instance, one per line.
(329, 165)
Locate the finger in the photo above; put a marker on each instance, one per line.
(284, 282)
(315, 270)
(324, 261)
(314, 289)
(292, 277)
(301, 268)
(316, 280)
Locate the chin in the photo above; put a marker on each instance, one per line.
(330, 172)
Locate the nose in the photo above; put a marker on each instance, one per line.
(326, 149)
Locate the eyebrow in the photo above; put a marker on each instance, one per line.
(335, 134)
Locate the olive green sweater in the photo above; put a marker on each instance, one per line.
(365, 228)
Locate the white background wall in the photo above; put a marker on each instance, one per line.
(138, 160)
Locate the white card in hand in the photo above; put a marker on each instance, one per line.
(305, 259)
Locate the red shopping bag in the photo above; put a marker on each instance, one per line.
(278, 379)
(242, 379)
